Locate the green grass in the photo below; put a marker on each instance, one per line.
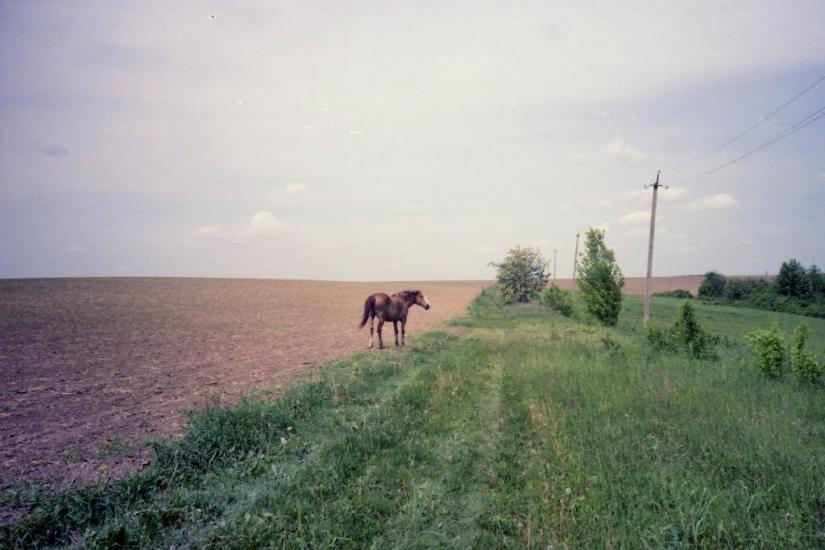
(515, 428)
(726, 321)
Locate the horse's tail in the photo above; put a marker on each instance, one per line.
(369, 307)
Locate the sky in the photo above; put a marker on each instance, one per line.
(404, 140)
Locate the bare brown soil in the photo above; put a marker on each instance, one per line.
(92, 367)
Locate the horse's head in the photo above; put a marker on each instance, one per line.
(420, 299)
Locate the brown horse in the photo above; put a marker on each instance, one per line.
(391, 308)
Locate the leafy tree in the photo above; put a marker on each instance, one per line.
(713, 286)
(817, 281)
(793, 280)
(804, 367)
(522, 274)
(600, 279)
(558, 300)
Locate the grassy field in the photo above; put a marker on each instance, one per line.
(516, 427)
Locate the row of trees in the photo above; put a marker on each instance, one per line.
(795, 289)
(523, 275)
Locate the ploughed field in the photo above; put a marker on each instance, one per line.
(92, 367)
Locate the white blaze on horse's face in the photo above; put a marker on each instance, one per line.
(422, 301)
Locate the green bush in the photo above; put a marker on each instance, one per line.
(685, 334)
(803, 366)
(690, 335)
(713, 286)
(769, 346)
(600, 280)
(660, 339)
(742, 289)
(558, 300)
(680, 293)
(522, 275)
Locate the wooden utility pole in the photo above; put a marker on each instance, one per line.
(575, 260)
(656, 185)
(554, 264)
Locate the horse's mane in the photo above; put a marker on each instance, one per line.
(404, 294)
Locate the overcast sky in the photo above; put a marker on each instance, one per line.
(391, 140)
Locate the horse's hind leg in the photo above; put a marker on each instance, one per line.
(395, 328)
(380, 338)
(372, 322)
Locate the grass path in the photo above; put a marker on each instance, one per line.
(515, 428)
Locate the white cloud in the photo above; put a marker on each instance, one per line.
(621, 151)
(712, 202)
(604, 203)
(633, 218)
(295, 188)
(672, 194)
(265, 225)
(262, 225)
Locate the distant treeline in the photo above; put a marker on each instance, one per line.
(795, 289)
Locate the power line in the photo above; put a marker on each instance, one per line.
(760, 122)
(809, 119)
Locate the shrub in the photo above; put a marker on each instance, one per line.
(742, 289)
(686, 334)
(678, 293)
(660, 339)
(600, 279)
(689, 333)
(713, 286)
(769, 346)
(803, 366)
(558, 300)
(522, 275)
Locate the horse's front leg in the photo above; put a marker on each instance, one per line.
(395, 329)
(380, 337)
(403, 330)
